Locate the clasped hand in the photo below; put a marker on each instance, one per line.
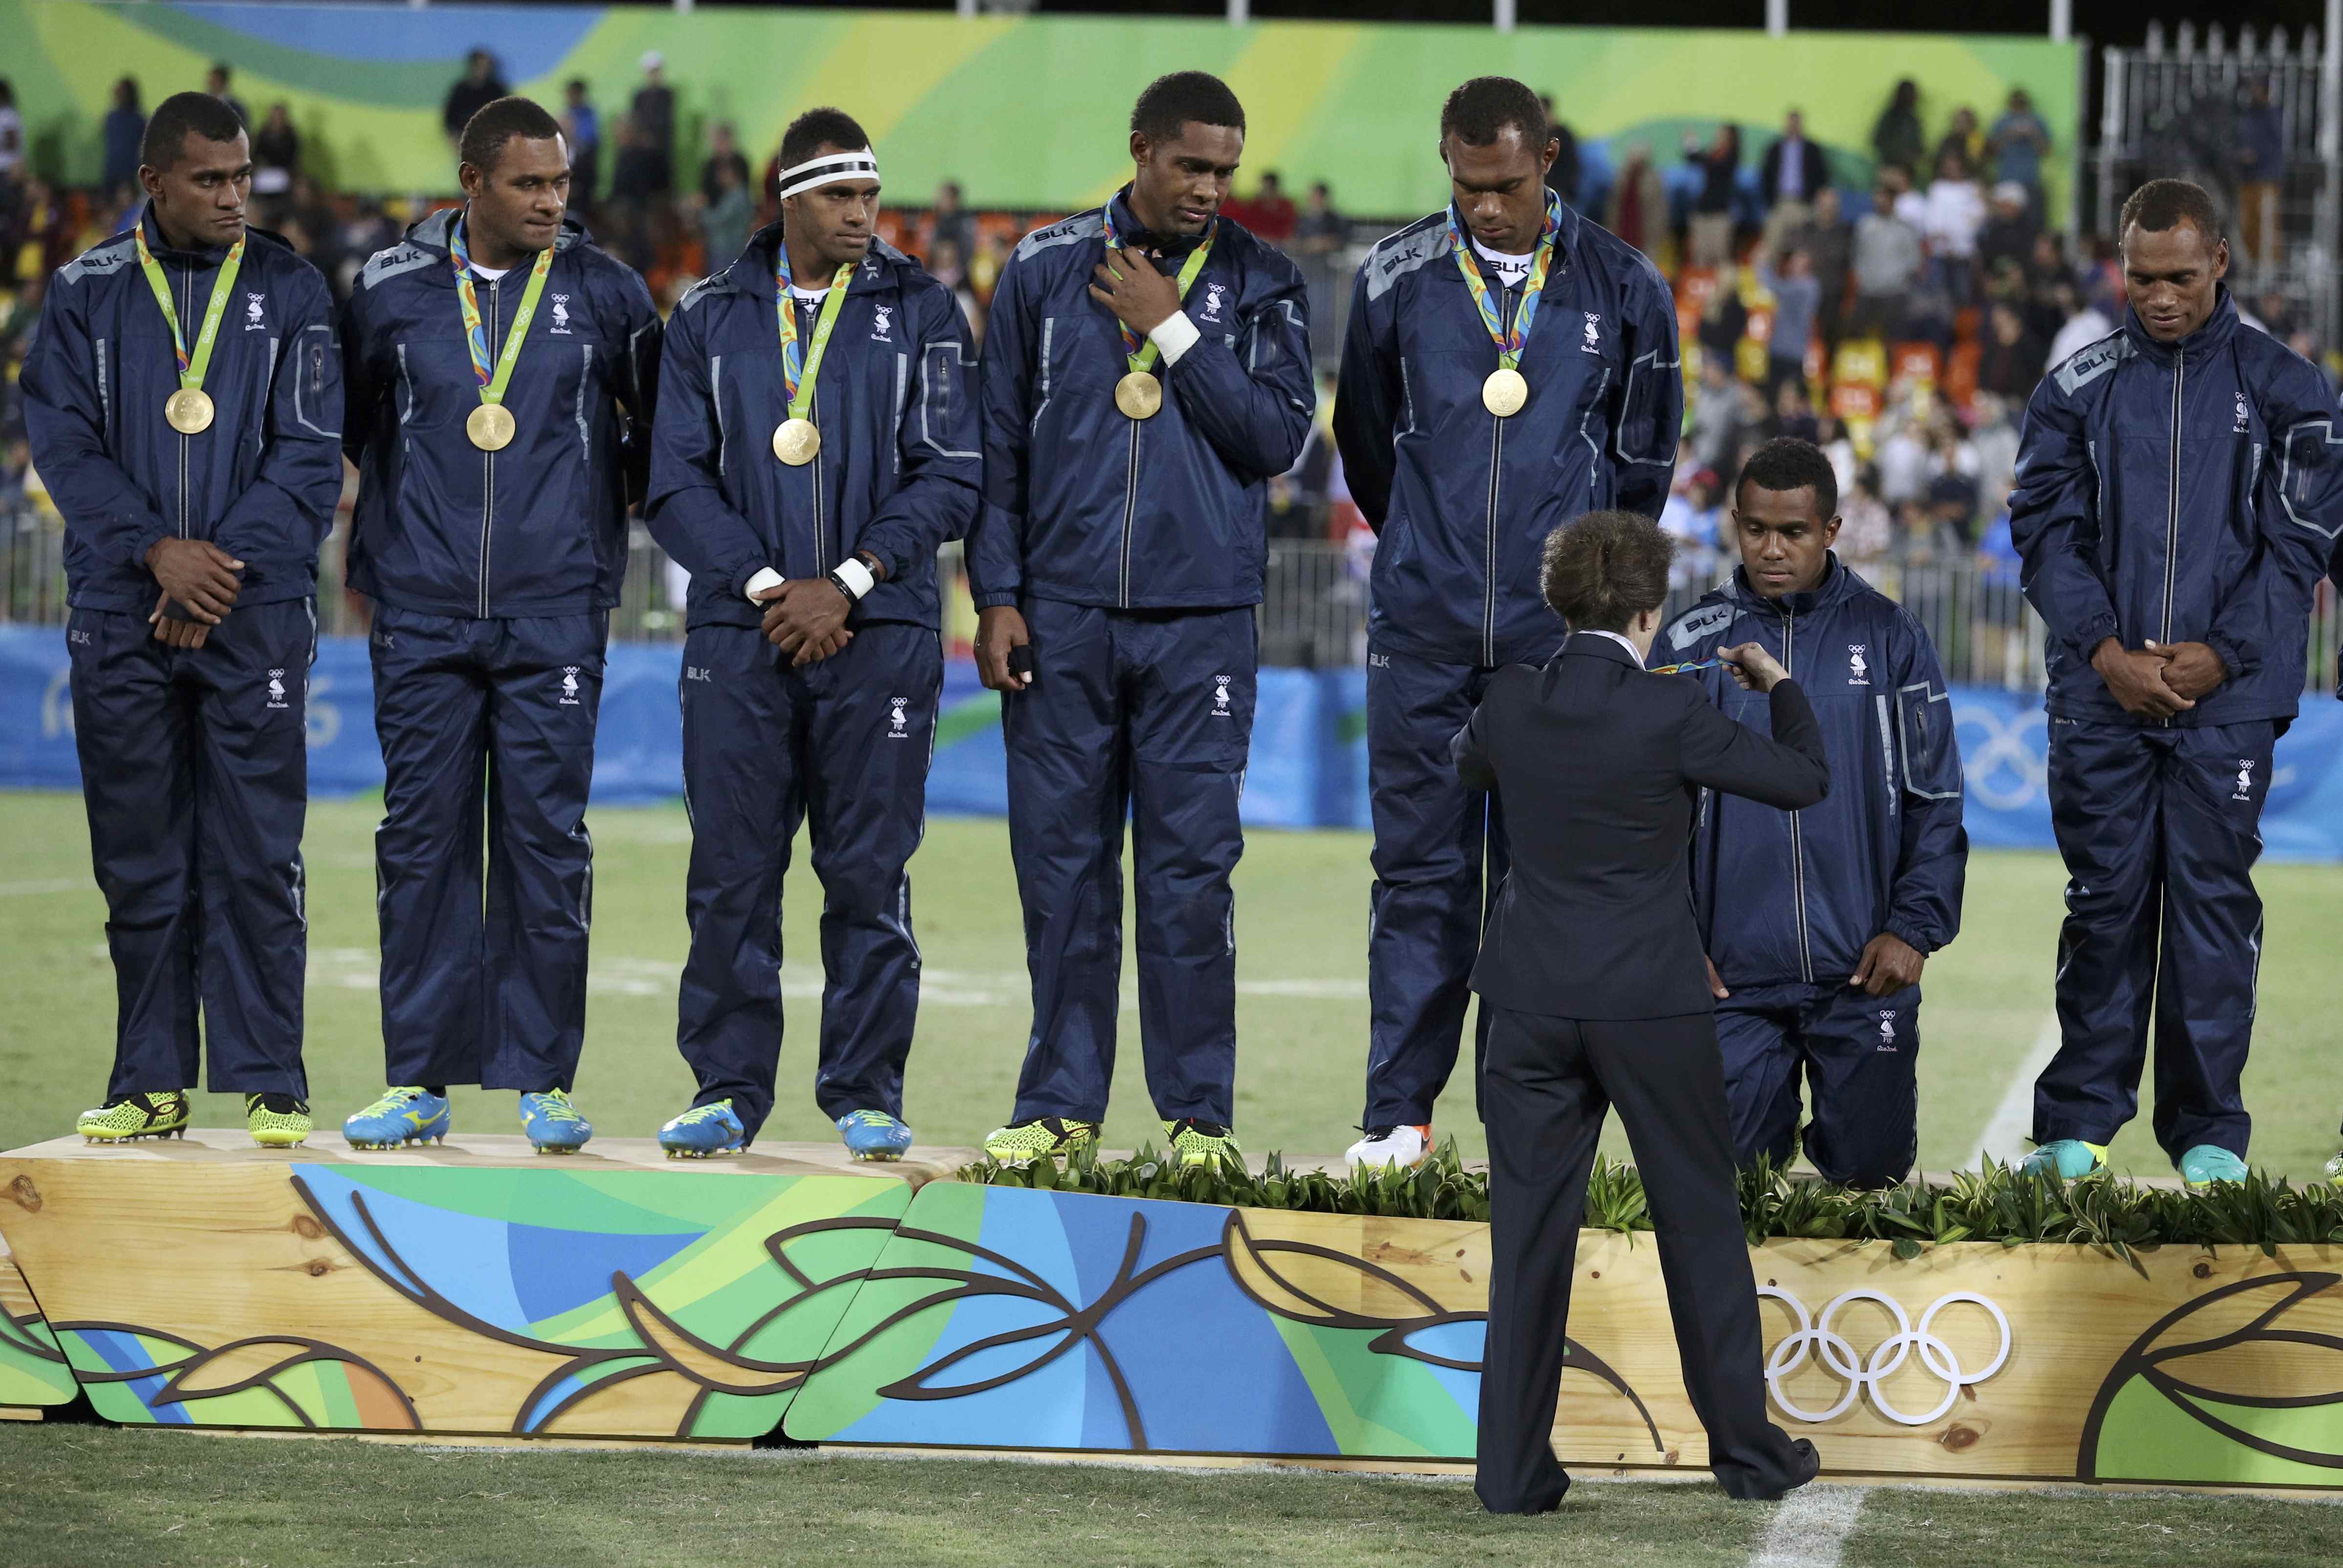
(806, 616)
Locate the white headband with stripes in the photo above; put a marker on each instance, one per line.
(828, 170)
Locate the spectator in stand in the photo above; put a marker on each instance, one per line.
(1714, 439)
(653, 115)
(216, 83)
(2085, 325)
(1270, 214)
(315, 235)
(948, 222)
(2009, 230)
(1723, 320)
(1866, 531)
(276, 159)
(1956, 212)
(1829, 239)
(2045, 310)
(723, 153)
(1638, 208)
(480, 86)
(2019, 141)
(11, 134)
(43, 236)
(1964, 137)
(1563, 177)
(2273, 312)
(638, 174)
(1319, 241)
(1888, 254)
(1793, 414)
(2260, 171)
(1691, 518)
(1896, 139)
(1790, 175)
(2012, 360)
(581, 128)
(726, 218)
(125, 126)
(1797, 297)
(1719, 166)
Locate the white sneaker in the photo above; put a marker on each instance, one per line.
(1383, 1147)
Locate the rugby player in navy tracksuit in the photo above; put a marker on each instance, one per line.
(1462, 499)
(1131, 424)
(191, 556)
(491, 533)
(1817, 922)
(2177, 498)
(806, 483)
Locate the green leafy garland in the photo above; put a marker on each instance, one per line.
(1998, 1204)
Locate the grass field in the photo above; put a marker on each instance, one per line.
(1302, 909)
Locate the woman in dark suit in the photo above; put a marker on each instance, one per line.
(1598, 995)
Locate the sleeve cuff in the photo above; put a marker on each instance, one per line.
(763, 578)
(2095, 632)
(1911, 938)
(1174, 335)
(995, 600)
(2234, 658)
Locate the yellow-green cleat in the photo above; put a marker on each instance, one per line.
(1195, 1142)
(1043, 1138)
(160, 1114)
(277, 1121)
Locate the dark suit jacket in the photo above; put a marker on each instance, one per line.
(1599, 764)
(1810, 163)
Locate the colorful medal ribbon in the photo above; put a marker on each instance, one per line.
(800, 366)
(191, 367)
(1688, 669)
(1139, 353)
(475, 335)
(1508, 344)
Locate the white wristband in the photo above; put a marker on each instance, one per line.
(852, 575)
(1175, 335)
(766, 578)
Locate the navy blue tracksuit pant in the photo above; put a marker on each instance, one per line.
(1859, 1055)
(484, 869)
(2159, 830)
(844, 743)
(1440, 862)
(1142, 717)
(195, 771)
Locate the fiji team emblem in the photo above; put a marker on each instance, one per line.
(2244, 780)
(276, 690)
(886, 324)
(1858, 673)
(1213, 293)
(561, 315)
(254, 319)
(1887, 1030)
(569, 686)
(1592, 342)
(1221, 696)
(898, 721)
(2245, 422)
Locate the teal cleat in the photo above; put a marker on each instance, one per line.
(874, 1135)
(2208, 1163)
(703, 1131)
(553, 1125)
(402, 1116)
(2335, 1172)
(2068, 1158)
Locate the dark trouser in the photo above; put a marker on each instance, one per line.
(484, 869)
(195, 771)
(1860, 1055)
(1143, 717)
(2159, 830)
(1550, 1081)
(844, 743)
(1432, 838)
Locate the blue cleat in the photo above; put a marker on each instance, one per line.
(402, 1116)
(874, 1135)
(2068, 1158)
(553, 1125)
(2208, 1163)
(703, 1131)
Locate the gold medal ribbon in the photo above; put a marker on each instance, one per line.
(1510, 343)
(1140, 354)
(800, 364)
(475, 333)
(192, 366)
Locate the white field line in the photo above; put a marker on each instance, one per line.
(2012, 1121)
(47, 885)
(1810, 1528)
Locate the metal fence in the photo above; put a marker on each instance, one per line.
(1314, 612)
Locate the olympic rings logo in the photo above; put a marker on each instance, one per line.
(2005, 761)
(1861, 1373)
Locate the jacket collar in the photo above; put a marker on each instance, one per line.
(435, 234)
(164, 250)
(2218, 329)
(1837, 583)
(1565, 242)
(1589, 645)
(1173, 247)
(751, 272)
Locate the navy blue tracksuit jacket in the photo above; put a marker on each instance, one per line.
(846, 740)
(493, 575)
(1787, 900)
(1462, 503)
(2183, 492)
(1134, 549)
(194, 762)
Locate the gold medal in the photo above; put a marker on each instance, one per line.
(795, 441)
(490, 426)
(1139, 395)
(189, 410)
(1505, 392)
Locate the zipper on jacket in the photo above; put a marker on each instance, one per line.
(1798, 837)
(488, 459)
(1489, 562)
(187, 303)
(2172, 501)
(1129, 512)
